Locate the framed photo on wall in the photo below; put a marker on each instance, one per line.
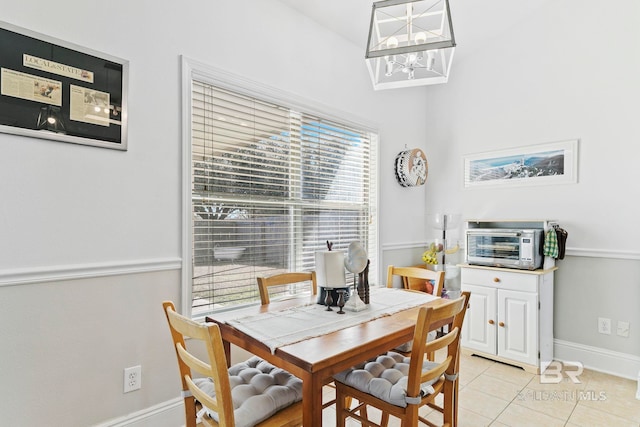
(56, 90)
(552, 163)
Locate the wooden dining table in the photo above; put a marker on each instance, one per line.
(315, 360)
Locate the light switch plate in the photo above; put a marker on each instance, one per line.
(623, 329)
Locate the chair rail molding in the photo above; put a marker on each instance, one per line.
(577, 252)
(602, 253)
(403, 245)
(26, 276)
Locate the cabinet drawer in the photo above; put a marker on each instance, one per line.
(495, 278)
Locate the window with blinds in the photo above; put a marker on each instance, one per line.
(270, 186)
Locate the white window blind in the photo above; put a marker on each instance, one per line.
(270, 186)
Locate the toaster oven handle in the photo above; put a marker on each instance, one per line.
(493, 233)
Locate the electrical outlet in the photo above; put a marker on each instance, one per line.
(623, 329)
(132, 378)
(604, 325)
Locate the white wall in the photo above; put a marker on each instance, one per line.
(133, 193)
(568, 71)
(65, 344)
(91, 237)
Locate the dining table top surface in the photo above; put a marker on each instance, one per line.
(317, 358)
(319, 351)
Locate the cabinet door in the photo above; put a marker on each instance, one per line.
(518, 326)
(479, 328)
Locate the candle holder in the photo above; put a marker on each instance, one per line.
(328, 299)
(355, 303)
(341, 300)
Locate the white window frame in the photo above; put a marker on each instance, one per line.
(195, 70)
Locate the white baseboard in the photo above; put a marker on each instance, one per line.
(165, 414)
(598, 359)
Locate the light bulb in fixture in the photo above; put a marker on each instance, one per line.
(420, 38)
(51, 120)
(388, 69)
(431, 59)
(392, 43)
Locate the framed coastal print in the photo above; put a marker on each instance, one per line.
(544, 164)
(56, 90)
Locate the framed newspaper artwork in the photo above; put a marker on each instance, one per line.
(56, 90)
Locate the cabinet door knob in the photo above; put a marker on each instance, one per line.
(501, 324)
(496, 279)
(491, 322)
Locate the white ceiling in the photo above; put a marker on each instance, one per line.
(474, 21)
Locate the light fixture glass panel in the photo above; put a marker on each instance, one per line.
(410, 43)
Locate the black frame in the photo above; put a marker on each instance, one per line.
(95, 78)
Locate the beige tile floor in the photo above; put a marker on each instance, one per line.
(499, 395)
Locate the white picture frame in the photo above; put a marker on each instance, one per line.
(57, 90)
(543, 164)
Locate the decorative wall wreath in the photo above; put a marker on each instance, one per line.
(411, 168)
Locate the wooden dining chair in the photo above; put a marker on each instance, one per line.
(265, 396)
(278, 283)
(416, 277)
(399, 386)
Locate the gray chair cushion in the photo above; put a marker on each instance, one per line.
(406, 347)
(258, 390)
(385, 378)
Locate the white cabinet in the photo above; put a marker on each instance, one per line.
(518, 326)
(510, 315)
(478, 330)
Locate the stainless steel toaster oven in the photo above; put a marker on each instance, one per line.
(512, 248)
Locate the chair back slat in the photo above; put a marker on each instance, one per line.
(443, 341)
(435, 372)
(264, 283)
(415, 278)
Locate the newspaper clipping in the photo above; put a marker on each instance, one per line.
(33, 88)
(89, 106)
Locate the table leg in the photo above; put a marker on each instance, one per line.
(227, 351)
(311, 400)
